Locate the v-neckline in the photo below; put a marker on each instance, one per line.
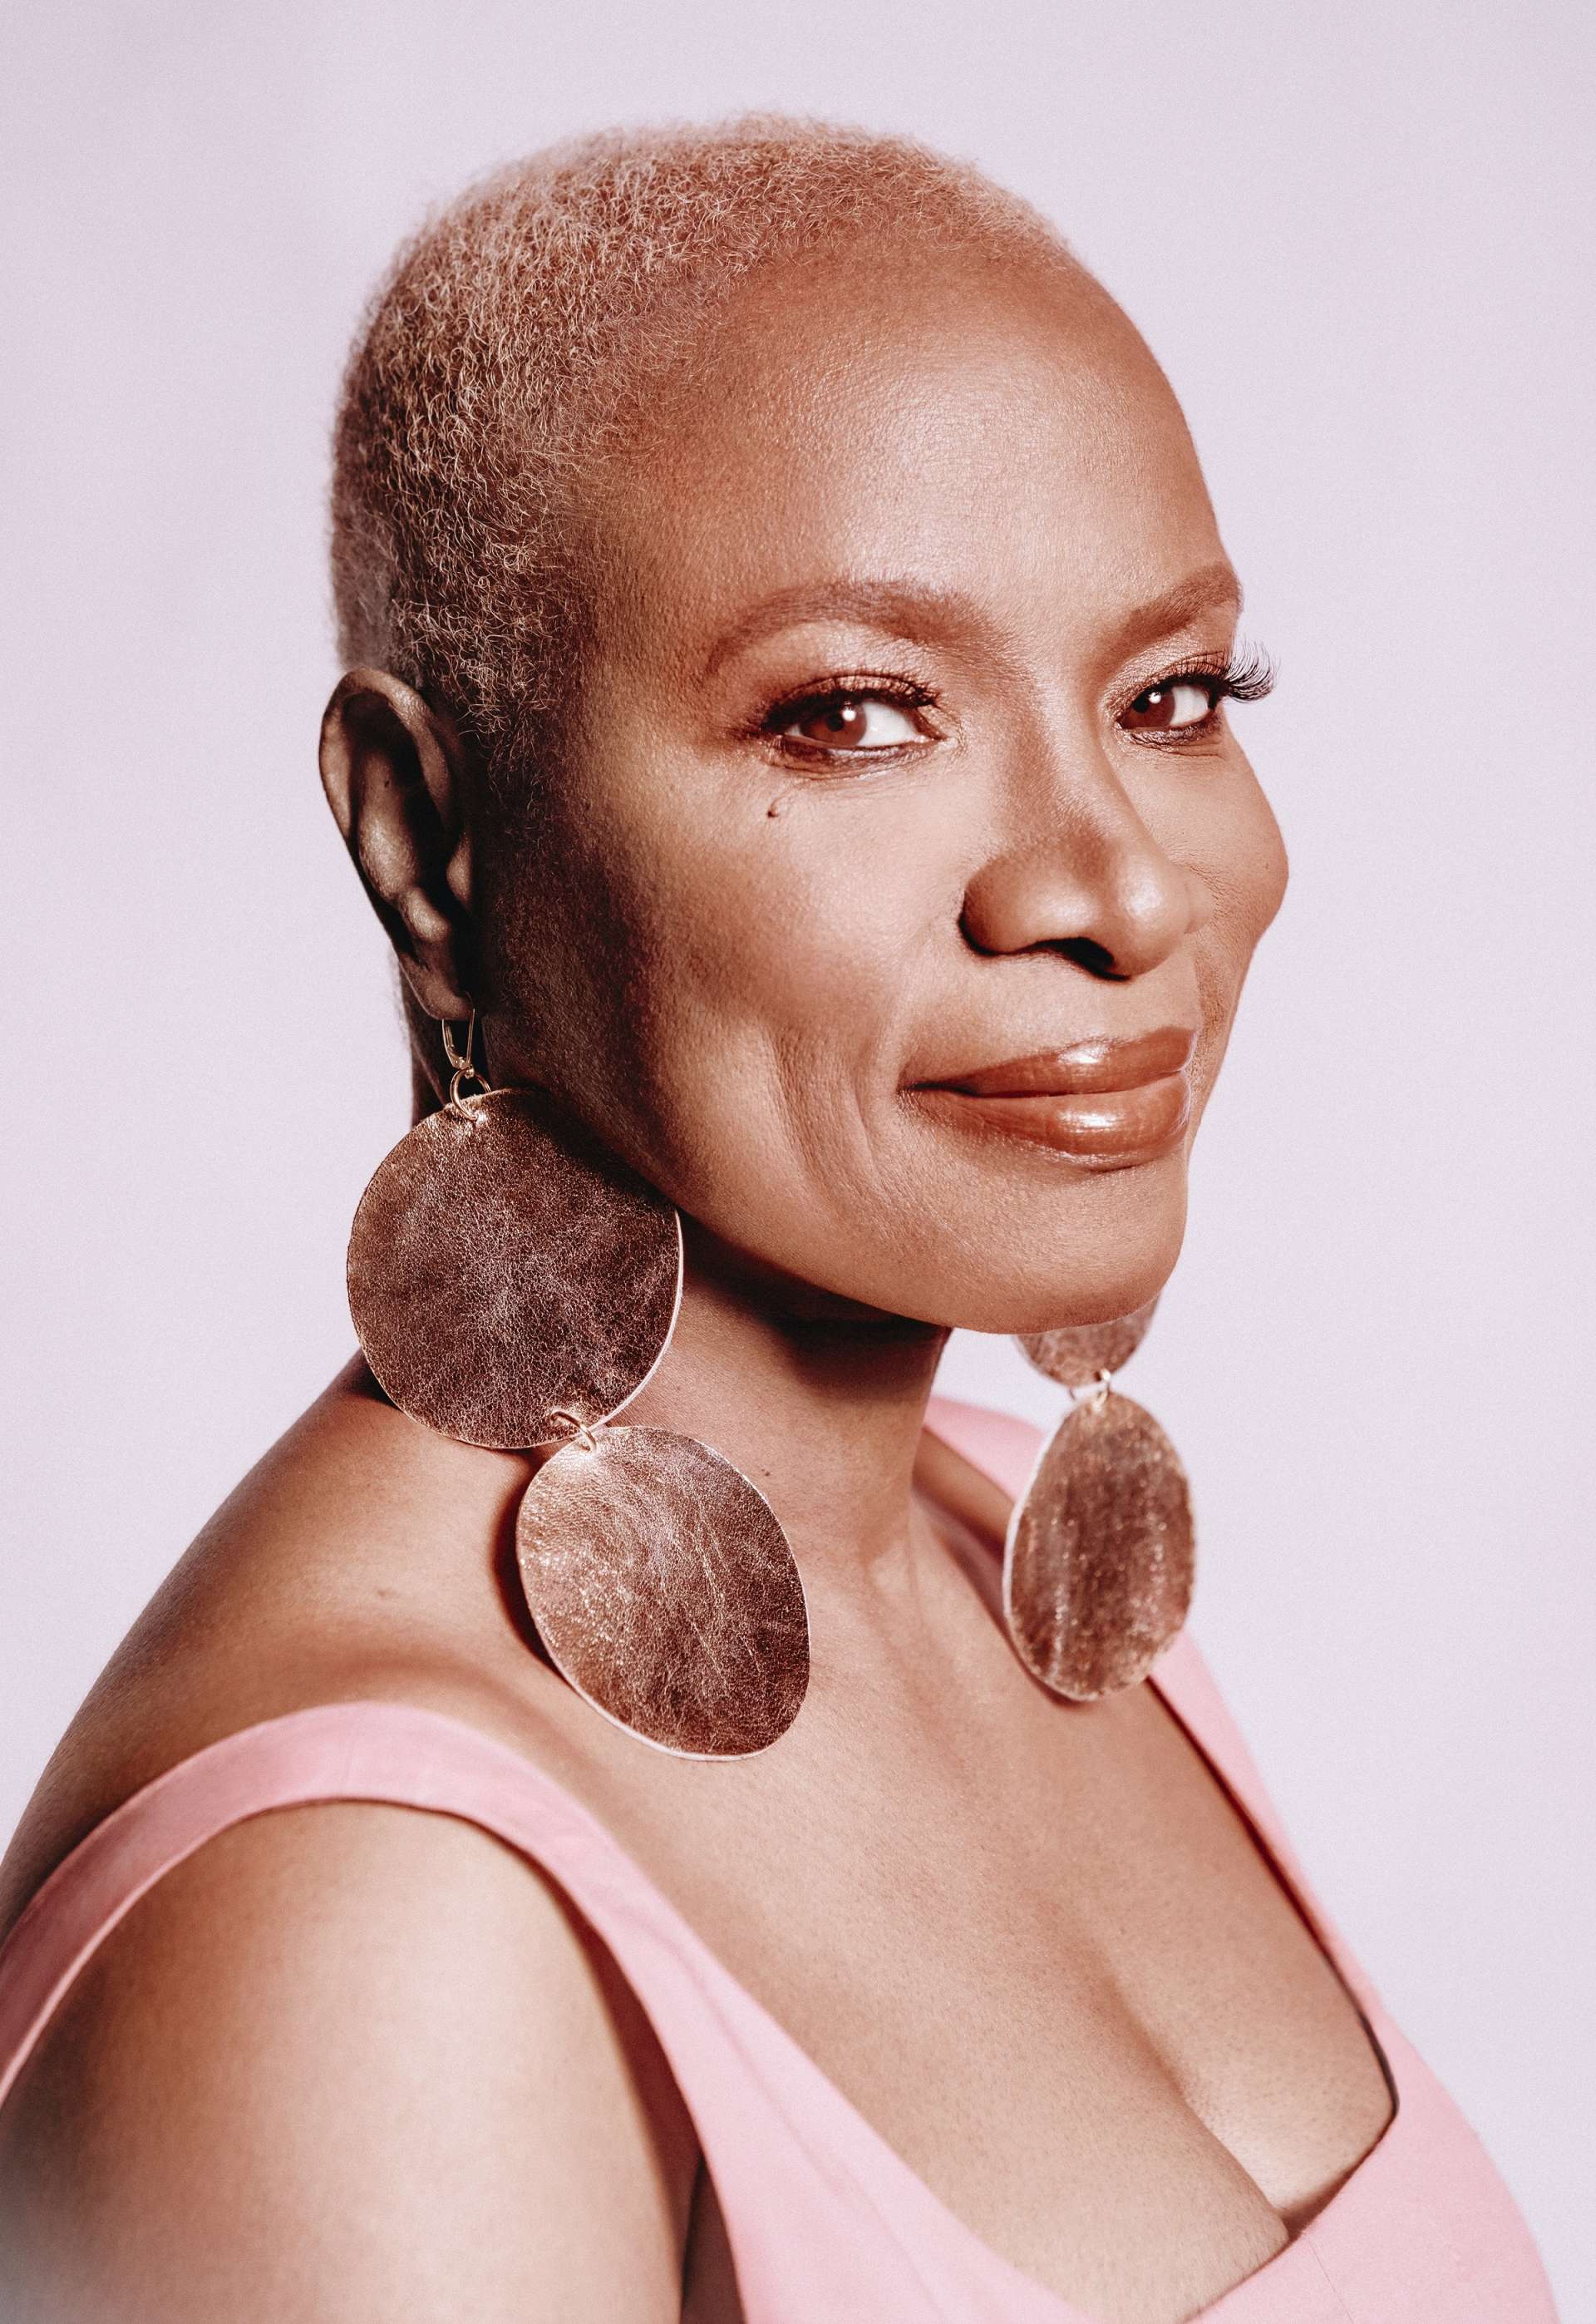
(1044, 2305)
(1029, 2300)
(1052, 2307)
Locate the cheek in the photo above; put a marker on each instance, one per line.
(792, 974)
(1239, 857)
(1257, 870)
(1266, 867)
(722, 991)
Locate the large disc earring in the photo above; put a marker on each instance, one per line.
(663, 1588)
(1100, 1550)
(513, 1283)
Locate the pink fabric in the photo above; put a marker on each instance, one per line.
(828, 2225)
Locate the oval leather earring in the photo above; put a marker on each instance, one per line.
(513, 1283)
(664, 1588)
(1099, 1556)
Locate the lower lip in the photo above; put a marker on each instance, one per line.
(1110, 1128)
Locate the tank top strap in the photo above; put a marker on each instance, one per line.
(807, 2189)
(1004, 1448)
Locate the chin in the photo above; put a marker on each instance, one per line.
(1100, 1248)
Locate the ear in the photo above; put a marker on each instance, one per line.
(392, 770)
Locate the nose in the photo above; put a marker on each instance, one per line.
(1088, 879)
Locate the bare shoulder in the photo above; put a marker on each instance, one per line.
(362, 1556)
(342, 2045)
(347, 2060)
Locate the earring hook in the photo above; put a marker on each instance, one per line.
(464, 1070)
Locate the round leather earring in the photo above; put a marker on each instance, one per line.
(1099, 1556)
(513, 1283)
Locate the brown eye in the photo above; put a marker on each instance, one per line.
(1176, 704)
(854, 722)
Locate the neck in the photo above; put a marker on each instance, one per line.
(819, 1401)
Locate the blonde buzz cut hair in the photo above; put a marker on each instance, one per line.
(515, 346)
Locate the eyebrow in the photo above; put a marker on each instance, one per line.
(897, 608)
(906, 610)
(1211, 589)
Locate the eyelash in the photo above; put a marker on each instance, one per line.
(1247, 675)
(859, 686)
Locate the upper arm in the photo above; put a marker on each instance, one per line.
(346, 2063)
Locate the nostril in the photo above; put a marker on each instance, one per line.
(1088, 954)
(1108, 898)
(1085, 952)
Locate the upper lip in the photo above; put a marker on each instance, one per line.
(1105, 1061)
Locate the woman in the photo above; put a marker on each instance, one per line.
(790, 641)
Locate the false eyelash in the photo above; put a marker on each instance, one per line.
(1248, 675)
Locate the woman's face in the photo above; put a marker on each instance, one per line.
(901, 757)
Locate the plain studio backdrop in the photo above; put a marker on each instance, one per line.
(1359, 240)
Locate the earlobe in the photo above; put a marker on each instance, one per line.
(392, 769)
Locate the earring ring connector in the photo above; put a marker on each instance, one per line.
(577, 1431)
(464, 1069)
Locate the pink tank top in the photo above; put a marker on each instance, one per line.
(827, 2224)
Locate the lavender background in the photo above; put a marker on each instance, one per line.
(1360, 239)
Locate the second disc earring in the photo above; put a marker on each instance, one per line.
(513, 1283)
(661, 1585)
(1099, 1556)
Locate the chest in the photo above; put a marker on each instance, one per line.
(1076, 2001)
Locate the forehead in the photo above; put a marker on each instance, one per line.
(996, 433)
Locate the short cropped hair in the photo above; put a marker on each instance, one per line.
(514, 347)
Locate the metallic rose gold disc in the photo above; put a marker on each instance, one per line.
(504, 1265)
(1097, 1565)
(664, 1588)
(1075, 1353)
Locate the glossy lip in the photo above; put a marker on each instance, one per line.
(1110, 1100)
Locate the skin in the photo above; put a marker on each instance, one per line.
(1033, 1942)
